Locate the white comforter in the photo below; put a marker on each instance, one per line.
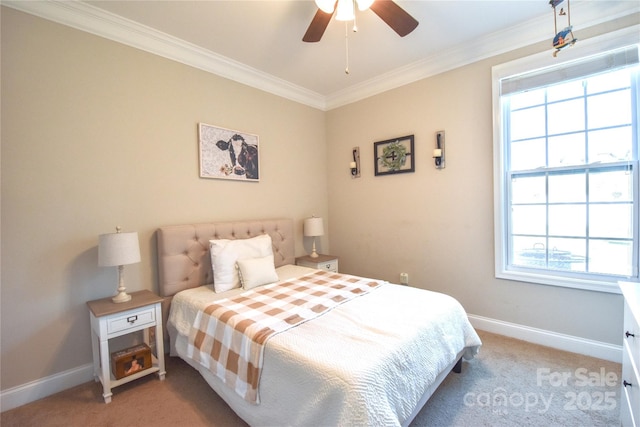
(366, 362)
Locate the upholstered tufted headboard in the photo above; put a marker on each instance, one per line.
(183, 250)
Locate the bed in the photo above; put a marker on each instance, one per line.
(374, 359)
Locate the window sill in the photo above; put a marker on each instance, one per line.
(610, 287)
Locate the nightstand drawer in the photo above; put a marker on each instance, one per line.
(321, 262)
(329, 266)
(130, 320)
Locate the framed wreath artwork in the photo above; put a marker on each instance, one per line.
(394, 156)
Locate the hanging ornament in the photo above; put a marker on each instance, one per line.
(565, 36)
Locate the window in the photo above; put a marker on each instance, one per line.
(566, 178)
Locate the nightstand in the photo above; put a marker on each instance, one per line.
(110, 320)
(322, 262)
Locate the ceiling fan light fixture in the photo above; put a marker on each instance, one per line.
(326, 5)
(345, 10)
(387, 10)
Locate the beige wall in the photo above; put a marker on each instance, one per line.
(96, 134)
(437, 225)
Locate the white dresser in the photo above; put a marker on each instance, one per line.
(630, 395)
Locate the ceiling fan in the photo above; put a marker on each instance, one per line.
(394, 16)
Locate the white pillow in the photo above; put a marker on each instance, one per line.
(257, 271)
(225, 253)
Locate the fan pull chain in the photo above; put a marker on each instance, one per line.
(355, 23)
(346, 37)
(346, 45)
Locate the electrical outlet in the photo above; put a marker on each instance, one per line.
(404, 278)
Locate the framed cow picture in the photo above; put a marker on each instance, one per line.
(228, 154)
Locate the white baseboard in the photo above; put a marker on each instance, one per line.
(598, 349)
(35, 390)
(38, 389)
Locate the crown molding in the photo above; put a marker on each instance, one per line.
(531, 32)
(99, 22)
(91, 19)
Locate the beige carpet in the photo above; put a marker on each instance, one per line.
(509, 383)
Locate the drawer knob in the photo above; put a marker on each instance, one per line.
(629, 334)
(132, 319)
(626, 383)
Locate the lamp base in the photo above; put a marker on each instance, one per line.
(122, 294)
(121, 297)
(314, 254)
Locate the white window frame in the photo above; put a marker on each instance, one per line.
(584, 48)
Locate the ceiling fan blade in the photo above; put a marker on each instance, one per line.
(395, 16)
(318, 25)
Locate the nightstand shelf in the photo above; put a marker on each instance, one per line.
(322, 262)
(115, 383)
(110, 320)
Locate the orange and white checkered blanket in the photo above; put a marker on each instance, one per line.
(228, 337)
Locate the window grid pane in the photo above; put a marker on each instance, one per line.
(551, 231)
(572, 181)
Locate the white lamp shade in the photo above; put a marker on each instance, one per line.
(313, 227)
(326, 5)
(345, 10)
(115, 249)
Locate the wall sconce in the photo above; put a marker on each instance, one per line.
(355, 164)
(438, 152)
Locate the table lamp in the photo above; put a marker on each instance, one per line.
(313, 228)
(119, 249)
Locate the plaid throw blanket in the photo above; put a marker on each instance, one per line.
(228, 337)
